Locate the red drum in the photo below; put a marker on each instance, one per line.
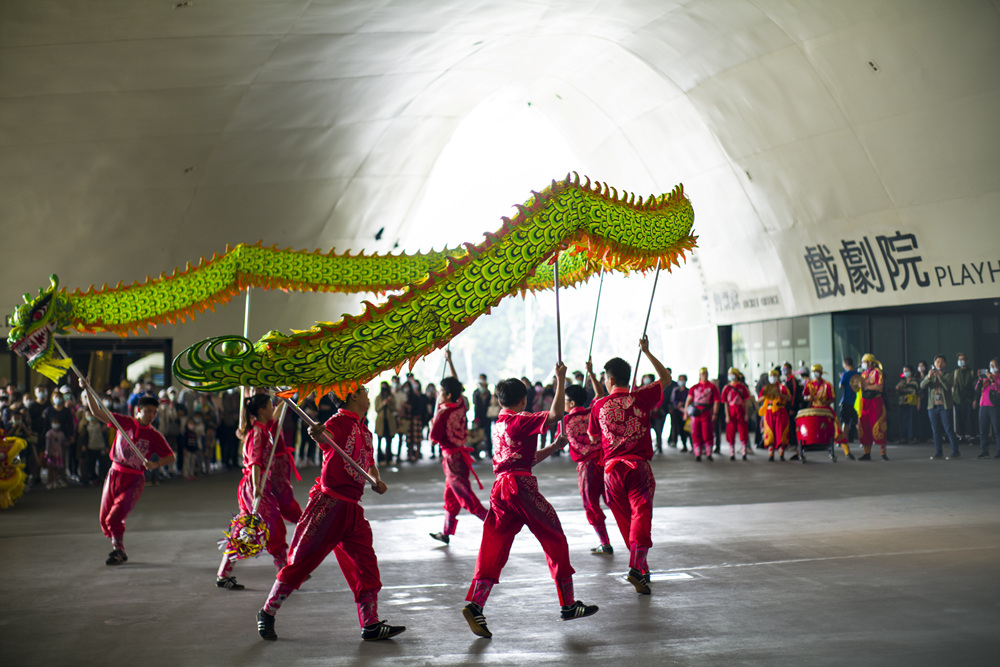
(814, 426)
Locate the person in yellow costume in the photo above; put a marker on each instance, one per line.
(11, 470)
(818, 393)
(774, 397)
(871, 408)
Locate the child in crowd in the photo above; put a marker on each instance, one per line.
(55, 444)
(192, 442)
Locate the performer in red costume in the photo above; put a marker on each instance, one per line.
(736, 396)
(450, 432)
(871, 416)
(515, 502)
(334, 521)
(774, 396)
(125, 481)
(703, 406)
(257, 445)
(818, 394)
(589, 457)
(282, 470)
(620, 422)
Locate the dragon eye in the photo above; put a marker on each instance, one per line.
(40, 312)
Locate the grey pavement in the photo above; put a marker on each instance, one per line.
(756, 563)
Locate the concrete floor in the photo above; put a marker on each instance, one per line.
(753, 563)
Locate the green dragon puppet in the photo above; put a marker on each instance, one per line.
(590, 226)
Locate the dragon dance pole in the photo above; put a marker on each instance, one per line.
(267, 471)
(94, 394)
(597, 309)
(558, 330)
(635, 375)
(326, 436)
(246, 333)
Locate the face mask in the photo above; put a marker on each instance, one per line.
(864, 365)
(41, 395)
(922, 369)
(57, 402)
(682, 383)
(773, 379)
(15, 420)
(814, 375)
(784, 373)
(731, 377)
(993, 369)
(906, 374)
(55, 426)
(961, 363)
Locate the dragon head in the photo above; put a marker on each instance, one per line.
(33, 325)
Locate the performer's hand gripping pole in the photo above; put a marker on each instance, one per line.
(93, 393)
(635, 375)
(326, 436)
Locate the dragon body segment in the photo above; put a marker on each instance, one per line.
(589, 227)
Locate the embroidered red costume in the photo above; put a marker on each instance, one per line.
(124, 484)
(515, 502)
(775, 416)
(256, 452)
(735, 396)
(620, 422)
(871, 417)
(704, 396)
(589, 458)
(334, 521)
(449, 431)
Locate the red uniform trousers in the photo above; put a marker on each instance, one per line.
(281, 487)
(590, 477)
(871, 423)
(776, 429)
(702, 433)
(737, 424)
(122, 491)
(268, 510)
(515, 502)
(338, 525)
(458, 493)
(629, 485)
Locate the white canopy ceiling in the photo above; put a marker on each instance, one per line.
(138, 136)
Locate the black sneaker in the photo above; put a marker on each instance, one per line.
(865, 457)
(770, 458)
(116, 557)
(850, 457)
(477, 622)
(265, 626)
(603, 550)
(228, 582)
(639, 581)
(577, 610)
(983, 456)
(381, 630)
(709, 457)
(744, 457)
(885, 458)
(956, 455)
(440, 537)
(698, 459)
(782, 458)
